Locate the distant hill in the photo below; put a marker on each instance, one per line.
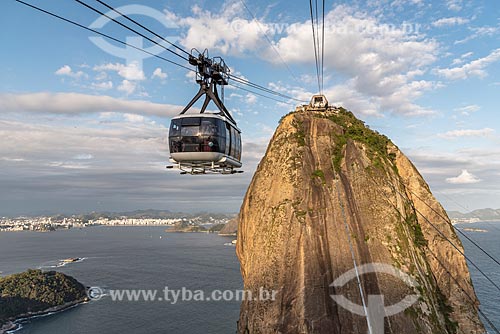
(481, 214)
(186, 227)
(147, 214)
(231, 228)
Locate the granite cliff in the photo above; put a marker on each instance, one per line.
(326, 183)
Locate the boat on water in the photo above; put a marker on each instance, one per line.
(71, 260)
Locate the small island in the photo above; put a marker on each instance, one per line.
(34, 293)
(189, 227)
(186, 227)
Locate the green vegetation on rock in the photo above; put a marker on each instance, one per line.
(36, 291)
(319, 174)
(216, 228)
(187, 227)
(356, 130)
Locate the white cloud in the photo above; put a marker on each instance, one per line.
(133, 118)
(467, 133)
(229, 33)
(67, 71)
(84, 156)
(455, 5)
(480, 32)
(127, 169)
(467, 110)
(131, 71)
(467, 55)
(106, 85)
(473, 68)
(464, 178)
(450, 21)
(250, 98)
(74, 103)
(458, 61)
(128, 87)
(101, 76)
(381, 63)
(158, 73)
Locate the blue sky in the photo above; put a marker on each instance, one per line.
(84, 129)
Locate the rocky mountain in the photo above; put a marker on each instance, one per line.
(330, 191)
(230, 228)
(481, 214)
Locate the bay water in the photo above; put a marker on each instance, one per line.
(148, 258)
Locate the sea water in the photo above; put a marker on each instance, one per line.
(148, 258)
(142, 258)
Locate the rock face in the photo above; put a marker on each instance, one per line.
(230, 228)
(327, 179)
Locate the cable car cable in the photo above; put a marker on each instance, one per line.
(447, 220)
(131, 29)
(142, 26)
(323, 50)
(451, 276)
(151, 40)
(246, 82)
(318, 44)
(314, 42)
(467, 210)
(267, 97)
(459, 231)
(442, 235)
(243, 81)
(466, 293)
(102, 34)
(268, 39)
(353, 256)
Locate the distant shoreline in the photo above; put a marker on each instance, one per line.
(475, 221)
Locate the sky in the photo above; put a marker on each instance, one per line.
(84, 122)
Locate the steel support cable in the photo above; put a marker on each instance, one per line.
(464, 207)
(102, 34)
(353, 256)
(246, 82)
(466, 293)
(268, 40)
(448, 221)
(270, 91)
(256, 93)
(449, 273)
(444, 236)
(314, 42)
(243, 81)
(131, 29)
(318, 43)
(461, 233)
(142, 26)
(323, 50)
(154, 42)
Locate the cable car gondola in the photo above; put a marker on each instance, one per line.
(206, 142)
